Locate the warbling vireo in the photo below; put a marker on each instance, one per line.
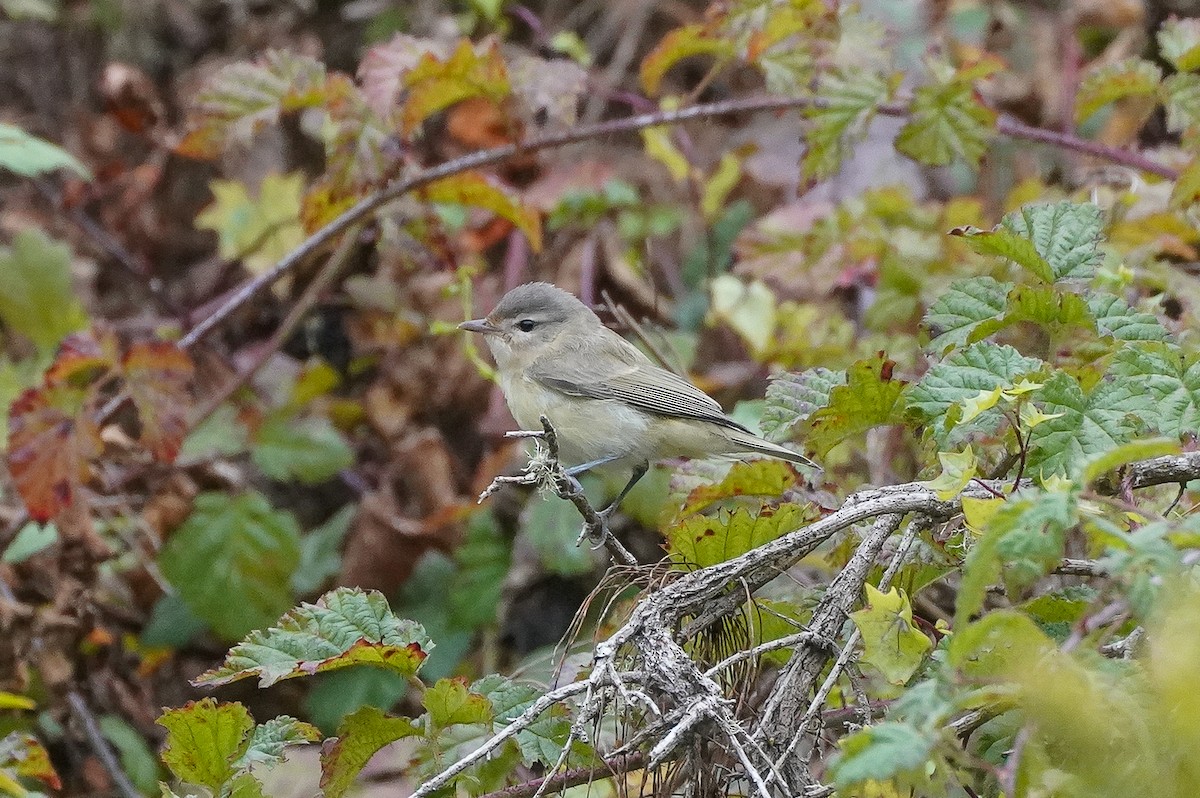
(609, 404)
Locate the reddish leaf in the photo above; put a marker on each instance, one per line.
(82, 359)
(51, 438)
(476, 190)
(157, 374)
(385, 66)
(435, 85)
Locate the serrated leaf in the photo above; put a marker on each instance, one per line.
(204, 740)
(792, 398)
(359, 736)
(870, 398)
(451, 702)
(544, 739)
(51, 441)
(483, 561)
(307, 449)
(1049, 307)
(1181, 100)
(891, 643)
(1006, 244)
(157, 375)
(965, 305)
(1031, 534)
(1132, 77)
(1179, 43)
(243, 98)
(997, 644)
(1066, 234)
(1090, 424)
(703, 540)
(946, 123)
(958, 468)
(880, 752)
(258, 230)
(843, 107)
(1170, 381)
(383, 68)
(477, 190)
(234, 546)
(21, 754)
(30, 156)
(680, 43)
(36, 299)
(347, 626)
(1115, 317)
(982, 366)
(435, 84)
(766, 479)
(244, 785)
(268, 740)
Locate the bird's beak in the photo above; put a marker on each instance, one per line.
(479, 326)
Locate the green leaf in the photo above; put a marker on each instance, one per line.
(345, 627)
(703, 540)
(844, 105)
(204, 740)
(1132, 77)
(1066, 234)
(891, 643)
(483, 561)
(1049, 307)
(1115, 317)
(359, 737)
(320, 552)
(981, 568)
(1004, 243)
(137, 758)
(544, 739)
(1030, 534)
(1179, 43)
(870, 398)
(962, 308)
(36, 298)
(1090, 424)
(767, 480)
(260, 229)
(880, 752)
(791, 398)
(552, 526)
(1181, 100)
(244, 785)
(307, 449)
(1125, 454)
(234, 546)
(451, 702)
(268, 740)
(946, 122)
(30, 156)
(982, 366)
(1170, 381)
(995, 646)
(32, 538)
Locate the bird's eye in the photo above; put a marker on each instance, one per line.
(526, 325)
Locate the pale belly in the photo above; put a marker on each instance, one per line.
(597, 429)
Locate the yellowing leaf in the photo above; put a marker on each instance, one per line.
(891, 643)
(476, 190)
(748, 309)
(659, 146)
(1030, 416)
(723, 180)
(257, 230)
(434, 85)
(680, 43)
(359, 736)
(979, 512)
(958, 468)
(974, 405)
(14, 701)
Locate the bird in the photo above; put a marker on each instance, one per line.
(610, 405)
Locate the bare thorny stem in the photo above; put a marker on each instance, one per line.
(685, 701)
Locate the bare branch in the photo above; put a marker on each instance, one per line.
(99, 745)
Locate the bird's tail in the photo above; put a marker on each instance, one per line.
(748, 442)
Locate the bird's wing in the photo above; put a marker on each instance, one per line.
(602, 368)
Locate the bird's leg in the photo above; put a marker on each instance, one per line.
(639, 471)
